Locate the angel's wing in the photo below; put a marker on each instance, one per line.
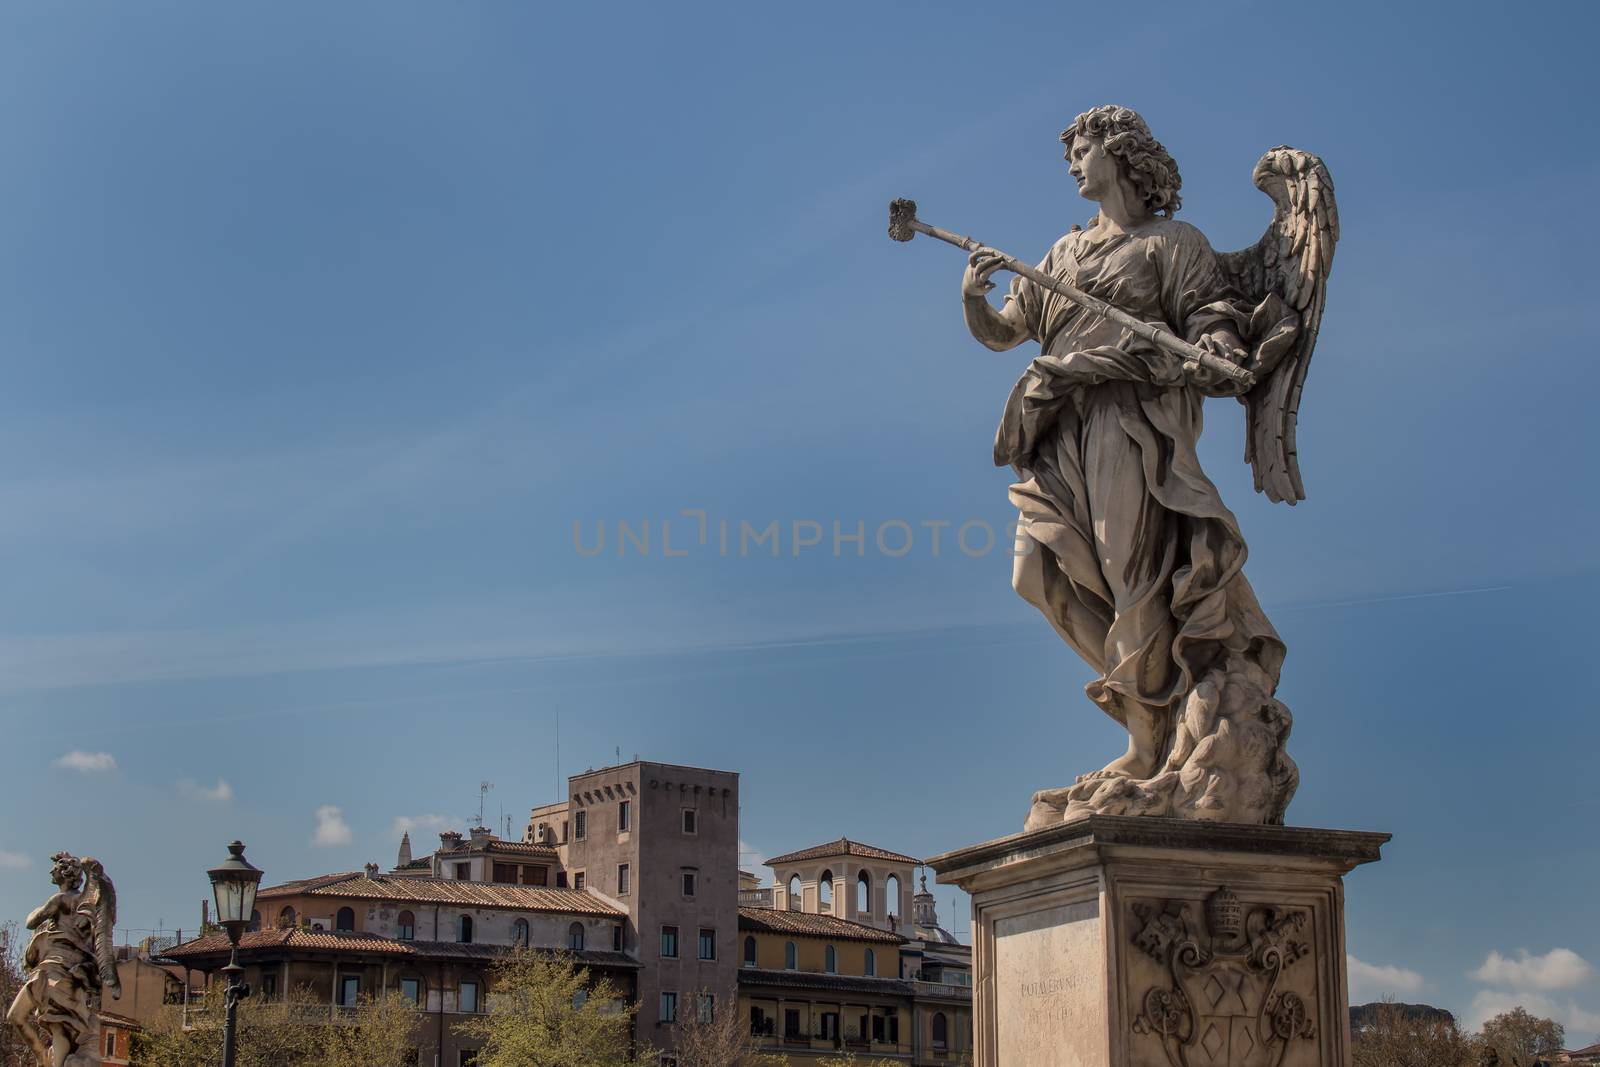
(100, 898)
(1292, 260)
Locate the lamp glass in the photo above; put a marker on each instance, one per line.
(233, 884)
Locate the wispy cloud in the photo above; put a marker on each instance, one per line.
(1578, 1019)
(87, 762)
(1369, 982)
(14, 860)
(332, 830)
(1560, 968)
(220, 793)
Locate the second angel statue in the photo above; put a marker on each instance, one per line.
(1125, 545)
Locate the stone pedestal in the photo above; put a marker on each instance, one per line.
(1140, 942)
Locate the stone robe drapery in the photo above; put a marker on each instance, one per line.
(1137, 562)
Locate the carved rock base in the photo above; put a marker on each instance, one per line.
(1146, 942)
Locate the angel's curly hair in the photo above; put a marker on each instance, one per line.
(1146, 162)
(65, 870)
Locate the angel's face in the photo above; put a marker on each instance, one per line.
(1092, 167)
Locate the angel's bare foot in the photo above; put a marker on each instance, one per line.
(1138, 762)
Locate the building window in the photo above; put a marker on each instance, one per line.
(669, 1007)
(624, 879)
(688, 883)
(406, 926)
(616, 937)
(345, 921)
(411, 989)
(941, 1032)
(575, 937)
(349, 990)
(269, 986)
(578, 880)
(863, 894)
(519, 933)
(111, 1043)
(749, 952)
(467, 998)
(505, 873)
(561, 879)
(891, 896)
(830, 960)
(796, 893)
(464, 930)
(463, 872)
(286, 919)
(536, 875)
(791, 1023)
(669, 942)
(580, 825)
(825, 893)
(706, 1007)
(690, 821)
(708, 944)
(791, 956)
(624, 817)
(869, 965)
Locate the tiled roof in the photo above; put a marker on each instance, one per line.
(416, 890)
(216, 947)
(805, 924)
(842, 847)
(754, 976)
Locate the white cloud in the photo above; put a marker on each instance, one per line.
(1560, 968)
(87, 762)
(220, 793)
(332, 830)
(15, 860)
(411, 824)
(1370, 982)
(1579, 1021)
(752, 859)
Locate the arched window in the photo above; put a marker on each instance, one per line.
(346, 920)
(255, 920)
(941, 1031)
(864, 894)
(830, 960)
(406, 926)
(825, 892)
(286, 919)
(794, 892)
(869, 966)
(791, 957)
(464, 930)
(749, 952)
(575, 937)
(891, 896)
(519, 933)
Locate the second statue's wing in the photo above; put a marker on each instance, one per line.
(100, 899)
(1292, 261)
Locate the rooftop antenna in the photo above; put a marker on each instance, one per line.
(483, 794)
(559, 792)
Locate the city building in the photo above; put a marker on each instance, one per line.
(833, 964)
(116, 1039)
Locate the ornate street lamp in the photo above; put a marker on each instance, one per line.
(233, 883)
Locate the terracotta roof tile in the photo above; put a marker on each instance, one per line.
(216, 947)
(842, 847)
(418, 890)
(805, 924)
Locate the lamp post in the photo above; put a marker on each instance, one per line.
(233, 883)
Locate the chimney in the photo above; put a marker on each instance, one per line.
(449, 841)
(205, 914)
(481, 836)
(372, 871)
(405, 849)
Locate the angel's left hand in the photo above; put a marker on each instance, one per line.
(1214, 382)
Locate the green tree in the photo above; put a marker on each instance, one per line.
(298, 1030)
(1520, 1038)
(545, 1011)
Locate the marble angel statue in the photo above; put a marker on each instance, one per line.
(70, 962)
(1124, 544)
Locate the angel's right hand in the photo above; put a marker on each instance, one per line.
(975, 282)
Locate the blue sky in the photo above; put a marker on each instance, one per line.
(321, 325)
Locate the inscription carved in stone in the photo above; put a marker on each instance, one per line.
(1227, 1003)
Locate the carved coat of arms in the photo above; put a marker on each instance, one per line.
(1224, 1007)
